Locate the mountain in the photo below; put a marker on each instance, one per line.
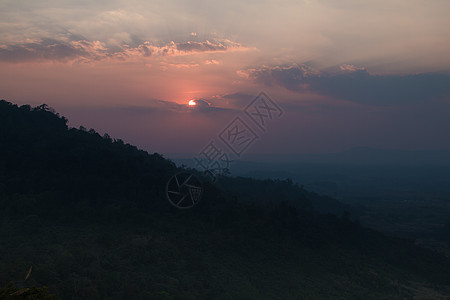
(373, 156)
(355, 156)
(89, 213)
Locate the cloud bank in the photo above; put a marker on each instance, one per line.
(354, 84)
(86, 51)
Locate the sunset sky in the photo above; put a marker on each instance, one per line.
(346, 73)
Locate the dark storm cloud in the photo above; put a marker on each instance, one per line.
(356, 84)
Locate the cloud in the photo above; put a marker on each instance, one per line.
(184, 66)
(239, 96)
(154, 106)
(410, 35)
(212, 62)
(238, 99)
(49, 49)
(161, 106)
(81, 50)
(291, 77)
(201, 46)
(351, 68)
(205, 106)
(355, 84)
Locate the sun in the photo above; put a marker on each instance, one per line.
(192, 103)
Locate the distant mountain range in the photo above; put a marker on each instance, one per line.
(90, 215)
(354, 156)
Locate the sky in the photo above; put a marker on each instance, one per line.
(338, 73)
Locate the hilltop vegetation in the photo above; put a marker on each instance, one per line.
(90, 214)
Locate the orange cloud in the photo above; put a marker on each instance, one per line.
(87, 51)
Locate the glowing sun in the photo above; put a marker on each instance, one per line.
(192, 103)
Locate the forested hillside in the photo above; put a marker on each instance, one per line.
(90, 215)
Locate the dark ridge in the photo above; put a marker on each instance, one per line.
(90, 214)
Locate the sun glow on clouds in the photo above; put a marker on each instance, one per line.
(95, 51)
(173, 56)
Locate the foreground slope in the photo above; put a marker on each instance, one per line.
(89, 214)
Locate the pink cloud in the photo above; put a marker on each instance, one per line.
(351, 68)
(86, 51)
